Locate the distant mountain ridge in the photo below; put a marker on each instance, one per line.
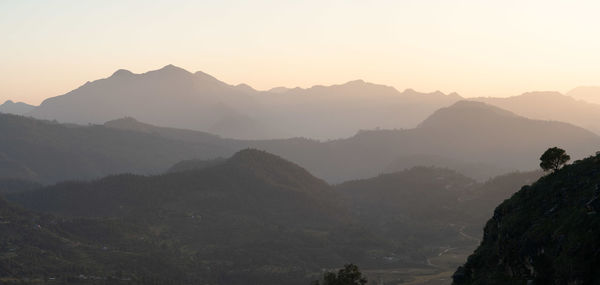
(174, 97)
(18, 108)
(169, 96)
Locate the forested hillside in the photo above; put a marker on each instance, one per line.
(254, 218)
(228, 221)
(547, 233)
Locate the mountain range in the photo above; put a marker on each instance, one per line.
(451, 137)
(174, 97)
(467, 131)
(471, 133)
(255, 218)
(252, 218)
(173, 177)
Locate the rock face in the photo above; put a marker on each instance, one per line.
(547, 233)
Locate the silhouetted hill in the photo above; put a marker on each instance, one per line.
(255, 218)
(551, 106)
(259, 175)
(433, 211)
(470, 132)
(463, 114)
(480, 140)
(49, 152)
(430, 197)
(415, 192)
(479, 171)
(131, 124)
(174, 97)
(170, 96)
(417, 205)
(546, 233)
(492, 135)
(19, 108)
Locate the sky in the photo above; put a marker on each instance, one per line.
(475, 48)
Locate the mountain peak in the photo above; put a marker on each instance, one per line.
(464, 113)
(129, 123)
(207, 77)
(172, 69)
(122, 73)
(245, 87)
(253, 155)
(356, 82)
(265, 164)
(16, 108)
(170, 66)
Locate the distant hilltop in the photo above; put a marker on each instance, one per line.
(19, 108)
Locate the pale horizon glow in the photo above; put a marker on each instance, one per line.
(474, 48)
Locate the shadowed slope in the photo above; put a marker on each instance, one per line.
(544, 234)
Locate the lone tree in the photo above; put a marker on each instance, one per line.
(553, 159)
(349, 275)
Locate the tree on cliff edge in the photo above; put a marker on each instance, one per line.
(553, 158)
